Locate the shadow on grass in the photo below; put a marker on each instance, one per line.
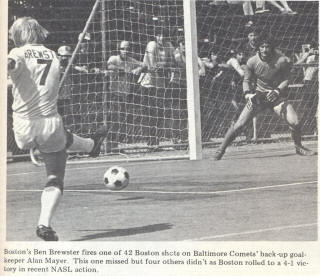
(125, 232)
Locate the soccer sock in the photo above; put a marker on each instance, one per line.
(229, 137)
(50, 199)
(81, 144)
(296, 135)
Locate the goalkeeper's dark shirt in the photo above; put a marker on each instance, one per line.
(266, 75)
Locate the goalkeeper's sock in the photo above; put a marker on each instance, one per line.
(81, 144)
(296, 135)
(229, 137)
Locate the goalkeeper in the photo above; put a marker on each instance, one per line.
(269, 70)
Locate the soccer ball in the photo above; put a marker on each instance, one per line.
(116, 178)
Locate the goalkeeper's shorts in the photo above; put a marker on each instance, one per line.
(47, 134)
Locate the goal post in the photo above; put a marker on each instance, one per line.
(136, 114)
(193, 92)
(181, 112)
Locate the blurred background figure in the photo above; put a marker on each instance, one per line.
(281, 5)
(123, 72)
(65, 94)
(159, 59)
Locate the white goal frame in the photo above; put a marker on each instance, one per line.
(193, 97)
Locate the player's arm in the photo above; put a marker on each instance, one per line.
(11, 64)
(247, 78)
(249, 94)
(202, 69)
(150, 55)
(138, 66)
(236, 66)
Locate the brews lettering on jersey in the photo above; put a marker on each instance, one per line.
(35, 81)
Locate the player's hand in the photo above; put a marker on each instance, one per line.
(95, 70)
(250, 97)
(273, 95)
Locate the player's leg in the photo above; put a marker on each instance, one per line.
(55, 163)
(287, 112)
(246, 115)
(91, 145)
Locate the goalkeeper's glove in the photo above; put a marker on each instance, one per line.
(273, 95)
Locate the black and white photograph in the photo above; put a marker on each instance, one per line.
(156, 121)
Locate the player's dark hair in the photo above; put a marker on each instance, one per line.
(266, 39)
(252, 29)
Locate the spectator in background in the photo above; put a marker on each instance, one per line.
(86, 84)
(309, 59)
(246, 5)
(64, 99)
(123, 72)
(282, 6)
(213, 84)
(250, 46)
(309, 55)
(178, 98)
(159, 59)
(83, 60)
(180, 62)
(237, 73)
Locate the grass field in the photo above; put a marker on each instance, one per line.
(267, 193)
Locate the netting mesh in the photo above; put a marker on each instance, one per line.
(143, 102)
(141, 115)
(222, 28)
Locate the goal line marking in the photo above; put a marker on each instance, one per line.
(254, 231)
(181, 192)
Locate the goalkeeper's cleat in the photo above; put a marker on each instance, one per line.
(304, 151)
(218, 154)
(46, 233)
(98, 138)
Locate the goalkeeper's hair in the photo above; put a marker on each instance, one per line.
(27, 30)
(266, 39)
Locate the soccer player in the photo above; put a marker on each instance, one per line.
(270, 71)
(35, 72)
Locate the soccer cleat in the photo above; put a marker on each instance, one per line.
(304, 151)
(46, 233)
(218, 155)
(98, 138)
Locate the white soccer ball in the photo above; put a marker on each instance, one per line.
(116, 178)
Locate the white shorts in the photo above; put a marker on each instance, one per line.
(46, 134)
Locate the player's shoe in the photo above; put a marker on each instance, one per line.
(218, 155)
(46, 233)
(98, 138)
(304, 151)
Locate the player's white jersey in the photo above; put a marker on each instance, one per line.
(35, 81)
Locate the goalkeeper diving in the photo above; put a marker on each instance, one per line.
(265, 86)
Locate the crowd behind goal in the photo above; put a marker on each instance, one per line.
(143, 100)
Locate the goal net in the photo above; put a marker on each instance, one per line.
(222, 28)
(125, 74)
(144, 103)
